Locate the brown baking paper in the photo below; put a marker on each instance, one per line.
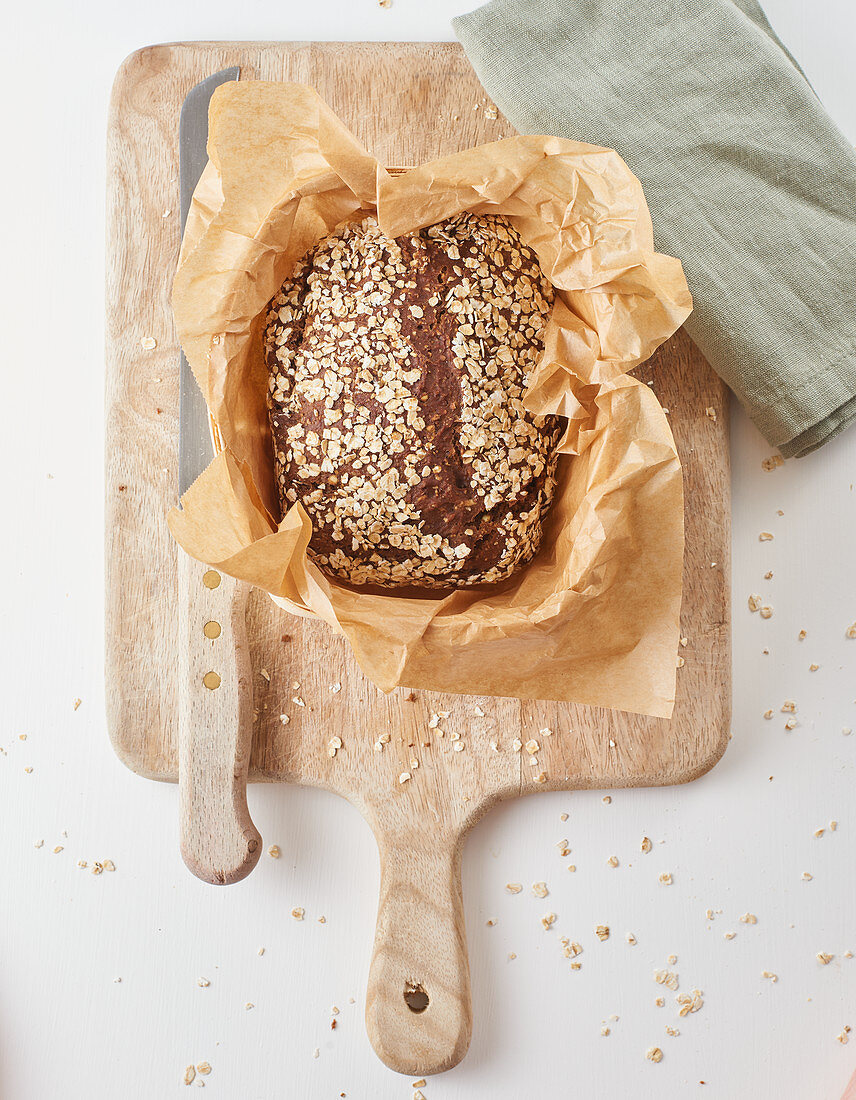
(594, 618)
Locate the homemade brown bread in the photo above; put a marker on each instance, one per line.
(397, 369)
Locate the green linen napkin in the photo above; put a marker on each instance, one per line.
(749, 182)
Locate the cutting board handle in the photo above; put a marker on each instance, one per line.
(219, 842)
(418, 1009)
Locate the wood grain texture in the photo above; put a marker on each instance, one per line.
(408, 102)
(219, 842)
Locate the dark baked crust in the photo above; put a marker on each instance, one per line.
(397, 369)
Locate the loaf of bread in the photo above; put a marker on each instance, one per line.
(397, 369)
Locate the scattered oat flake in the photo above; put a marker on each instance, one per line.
(77, 703)
(602, 932)
(58, 849)
(274, 851)
(819, 832)
(298, 702)
(384, 3)
(491, 112)
(148, 343)
(772, 463)
(749, 918)
(659, 1002)
(646, 844)
(710, 413)
(672, 1032)
(850, 632)
(420, 1084)
(813, 668)
(419, 1094)
(532, 746)
(768, 714)
(807, 877)
(541, 777)
(766, 612)
(514, 887)
(548, 920)
(668, 978)
(730, 935)
(39, 844)
(754, 602)
(28, 770)
(316, 1052)
(336, 688)
(679, 662)
(513, 955)
(265, 675)
(546, 732)
(654, 1054)
(769, 974)
(843, 1036)
(672, 959)
(765, 536)
(539, 889)
(613, 861)
(833, 826)
(607, 799)
(404, 777)
(631, 939)
(604, 1031)
(189, 1075)
(666, 878)
(563, 817)
(458, 746)
(689, 1002)
(203, 983)
(791, 724)
(298, 912)
(789, 706)
(823, 958)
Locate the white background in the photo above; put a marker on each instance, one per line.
(738, 840)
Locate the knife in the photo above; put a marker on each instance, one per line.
(219, 842)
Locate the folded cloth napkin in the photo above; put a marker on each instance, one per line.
(749, 182)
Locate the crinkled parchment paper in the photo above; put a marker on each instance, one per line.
(594, 618)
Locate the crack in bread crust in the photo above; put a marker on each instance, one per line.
(397, 370)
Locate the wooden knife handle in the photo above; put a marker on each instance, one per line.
(219, 842)
(418, 1008)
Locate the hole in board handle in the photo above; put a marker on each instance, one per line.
(415, 997)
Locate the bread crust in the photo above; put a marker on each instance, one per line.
(397, 369)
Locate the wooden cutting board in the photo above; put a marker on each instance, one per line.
(409, 103)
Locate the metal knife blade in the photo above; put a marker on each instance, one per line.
(195, 446)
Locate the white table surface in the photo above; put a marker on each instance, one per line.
(737, 840)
